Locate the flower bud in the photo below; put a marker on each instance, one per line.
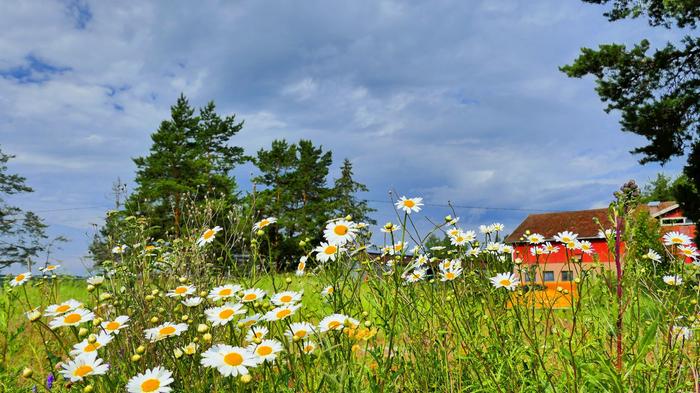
(202, 293)
(288, 280)
(246, 378)
(92, 339)
(90, 288)
(178, 353)
(149, 298)
(202, 328)
(183, 279)
(27, 372)
(206, 337)
(260, 232)
(184, 318)
(135, 357)
(141, 349)
(88, 389)
(154, 319)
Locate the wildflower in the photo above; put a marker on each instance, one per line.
(394, 249)
(49, 268)
(308, 346)
(62, 308)
(249, 321)
(653, 255)
(535, 238)
(301, 266)
(222, 315)
(681, 331)
(114, 326)
(450, 274)
(417, 274)
(673, 280)
(256, 332)
(285, 298)
(190, 349)
(279, 313)
(82, 366)
(20, 279)
(605, 234)
(119, 249)
(497, 227)
(300, 330)
(267, 350)
(230, 361)
(688, 251)
(459, 239)
(340, 232)
(451, 221)
(73, 318)
(437, 248)
(181, 291)
(474, 252)
(224, 292)
(86, 346)
(336, 322)
(208, 236)
(565, 237)
(95, 280)
(549, 248)
(494, 247)
(585, 246)
(263, 223)
(155, 380)
(409, 205)
(390, 227)
(33, 315)
(326, 251)
(534, 251)
(327, 291)
(192, 301)
(676, 239)
(251, 295)
(505, 280)
(165, 330)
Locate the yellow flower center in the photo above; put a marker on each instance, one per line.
(675, 240)
(286, 299)
(208, 234)
(263, 223)
(180, 290)
(505, 282)
(450, 275)
(92, 347)
(340, 230)
(301, 266)
(333, 324)
(250, 296)
(166, 331)
(150, 385)
(226, 313)
(283, 313)
(264, 350)
(300, 333)
(225, 292)
(233, 359)
(62, 308)
(72, 318)
(82, 371)
(330, 250)
(114, 325)
(308, 348)
(50, 267)
(19, 277)
(409, 203)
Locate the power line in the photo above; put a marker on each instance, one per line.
(472, 207)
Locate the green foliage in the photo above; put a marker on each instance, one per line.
(646, 235)
(22, 234)
(344, 200)
(657, 94)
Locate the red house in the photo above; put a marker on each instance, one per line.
(554, 265)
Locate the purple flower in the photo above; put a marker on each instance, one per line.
(49, 381)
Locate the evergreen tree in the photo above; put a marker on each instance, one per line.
(190, 159)
(345, 196)
(22, 234)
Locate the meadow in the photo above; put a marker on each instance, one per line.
(163, 315)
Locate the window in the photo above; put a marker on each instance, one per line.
(567, 275)
(549, 275)
(674, 221)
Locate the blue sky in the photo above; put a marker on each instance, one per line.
(456, 101)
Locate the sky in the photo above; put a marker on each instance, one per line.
(450, 100)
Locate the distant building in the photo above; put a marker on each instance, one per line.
(587, 224)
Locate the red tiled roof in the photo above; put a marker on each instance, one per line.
(657, 208)
(549, 224)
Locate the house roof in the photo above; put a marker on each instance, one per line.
(657, 209)
(581, 222)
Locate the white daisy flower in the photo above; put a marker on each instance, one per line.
(409, 205)
(49, 268)
(676, 238)
(688, 251)
(95, 280)
(83, 366)
(300, 330)
(390, 227)
(62, 308)
(252, 295)
(653, 255)
(340, 232)
(155, 380)
(115, 325)
(585, 246)
(208, 236)
(327, 291)
(224, 292)
(72, 318)
(249, 321)
(326, 252)
(229, 360)
(120, 249)
(285, 298)
(165, 330)
(498, 227)
(308, 347)
(450, 274)
(263, 223)
(279, 313)
(222, 315)
(535, 238)
(417, 274)
(20, 279)
(181, 291)
(565, 237)
(267, 350)
(256, 332)
(673, 280)
(337, 322)
(505, 280)
(86, 346)
(301, 267)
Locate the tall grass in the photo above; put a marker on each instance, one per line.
(405, 324)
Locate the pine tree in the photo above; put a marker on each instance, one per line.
(345, 196)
